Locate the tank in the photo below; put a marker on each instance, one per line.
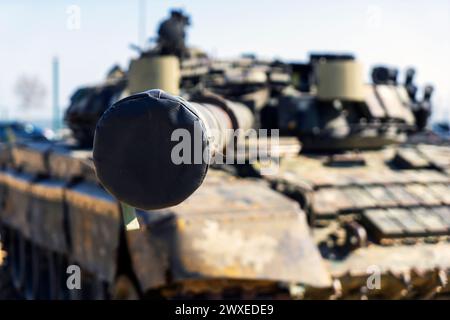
(370, 177)
(355, 207)
(57, 217)
(374, 199)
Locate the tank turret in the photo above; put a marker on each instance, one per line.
(332, 109)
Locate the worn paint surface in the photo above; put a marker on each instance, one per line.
(218, 233)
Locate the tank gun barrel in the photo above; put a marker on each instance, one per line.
(152, 150)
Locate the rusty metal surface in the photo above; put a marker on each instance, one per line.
(46, 215)
(68, 213)
(67, 165)
(31, 158)
(402, 218)
(395, 259)
(5, 154)
(94, 220)
(3, 254)
(438, 156)
(392, 104)
(218, 233)
(15, 212)
(373, 185)
(276, 248)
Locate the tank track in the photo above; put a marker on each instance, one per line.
(34, 276)
(7, 290)
(433, 284)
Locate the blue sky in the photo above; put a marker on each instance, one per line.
(398, 33)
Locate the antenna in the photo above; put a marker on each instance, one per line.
(56, 116)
